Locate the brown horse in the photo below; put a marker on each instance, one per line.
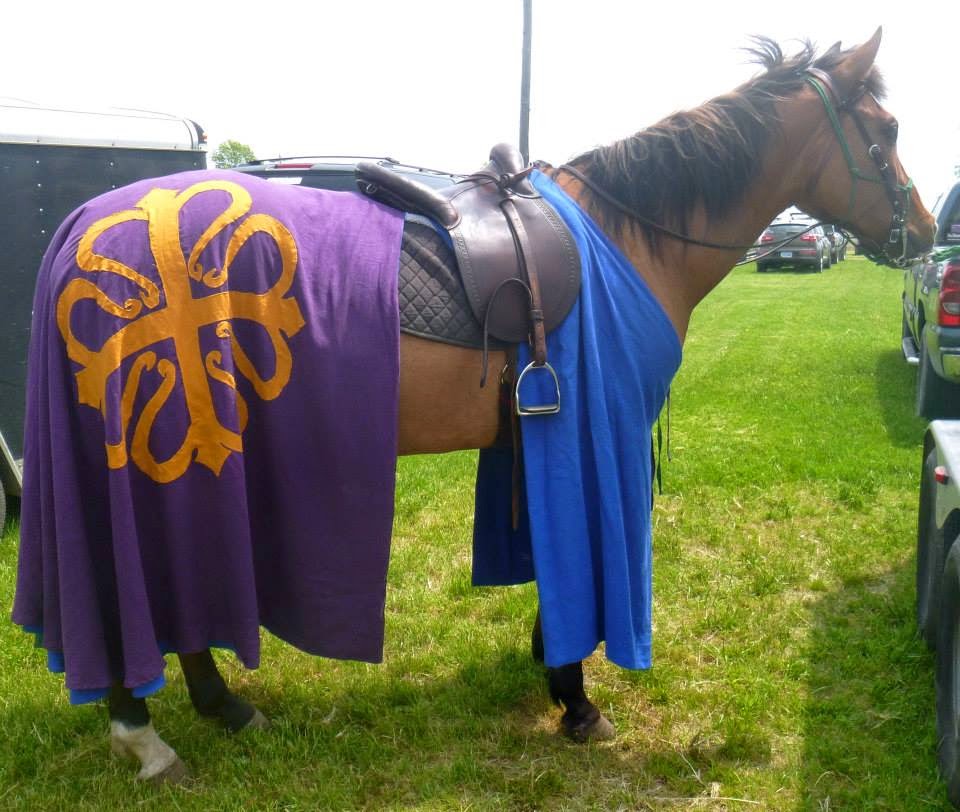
(682, 199)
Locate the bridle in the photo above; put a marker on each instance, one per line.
(823, 84)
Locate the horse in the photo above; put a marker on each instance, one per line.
(680, 201)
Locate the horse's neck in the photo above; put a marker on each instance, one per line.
(682, 274)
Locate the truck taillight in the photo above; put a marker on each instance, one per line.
(766, 237)
(949, 314)
(809, 238)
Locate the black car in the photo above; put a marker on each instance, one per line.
(336, 173)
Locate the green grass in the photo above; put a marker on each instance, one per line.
(788, 674)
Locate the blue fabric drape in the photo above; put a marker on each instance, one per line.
(587, 469)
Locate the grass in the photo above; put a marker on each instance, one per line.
(788, 674)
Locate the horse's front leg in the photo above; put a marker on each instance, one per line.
(132, 735)
(212, 698)
(581, 720)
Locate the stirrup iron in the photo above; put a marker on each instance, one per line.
(546, 408)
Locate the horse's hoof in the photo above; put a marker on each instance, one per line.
(593, 728)
(159, 763)
(257, 722)
(174, 773)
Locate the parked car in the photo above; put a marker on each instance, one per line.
(931, 315)
(838, 242)
(804, 245)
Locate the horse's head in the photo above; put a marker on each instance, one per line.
(857, 179)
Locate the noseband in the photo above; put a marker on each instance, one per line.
(823, 84)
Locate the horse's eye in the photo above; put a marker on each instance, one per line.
(893, 130)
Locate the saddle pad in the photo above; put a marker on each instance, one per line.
(433, 303)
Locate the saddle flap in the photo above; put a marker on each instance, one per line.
(489, 255)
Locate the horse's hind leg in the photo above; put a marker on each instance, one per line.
(132, 735)
(581, 718)
(211, 697)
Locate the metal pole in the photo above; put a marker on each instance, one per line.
(525, 82)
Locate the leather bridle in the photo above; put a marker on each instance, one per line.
(823, 84)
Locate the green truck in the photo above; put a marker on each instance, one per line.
(931, 315)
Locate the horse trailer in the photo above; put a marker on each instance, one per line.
(51, 161)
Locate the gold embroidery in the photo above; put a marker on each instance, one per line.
(179, 320)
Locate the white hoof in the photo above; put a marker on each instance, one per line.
(159, 763)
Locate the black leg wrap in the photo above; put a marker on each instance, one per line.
(580, 717)
(536, 640)
(566, 685)
(209, 693)
(124, 707)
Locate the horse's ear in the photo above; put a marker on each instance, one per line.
(855, 67)
(833, 50)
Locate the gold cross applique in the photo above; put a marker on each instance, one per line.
(171, 312)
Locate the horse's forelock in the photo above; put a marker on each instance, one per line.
(784, 75)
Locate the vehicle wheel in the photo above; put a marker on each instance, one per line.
(828, 261)
(936, 397)
(762, 267)
(948, 677)
(929, 556)
(820, 266)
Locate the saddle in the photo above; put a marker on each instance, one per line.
(517, 259)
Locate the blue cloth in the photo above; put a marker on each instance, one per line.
(587, 469)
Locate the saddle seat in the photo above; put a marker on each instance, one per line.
(517, 259)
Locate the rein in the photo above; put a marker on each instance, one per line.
(634, 214)
(822, 83)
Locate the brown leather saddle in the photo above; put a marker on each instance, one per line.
(517, 259)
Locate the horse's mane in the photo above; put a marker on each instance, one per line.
(707, 155)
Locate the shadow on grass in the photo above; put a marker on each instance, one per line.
(789, 270)
(12, 520)
(868, 719)
(896, 384)
(486, 735)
